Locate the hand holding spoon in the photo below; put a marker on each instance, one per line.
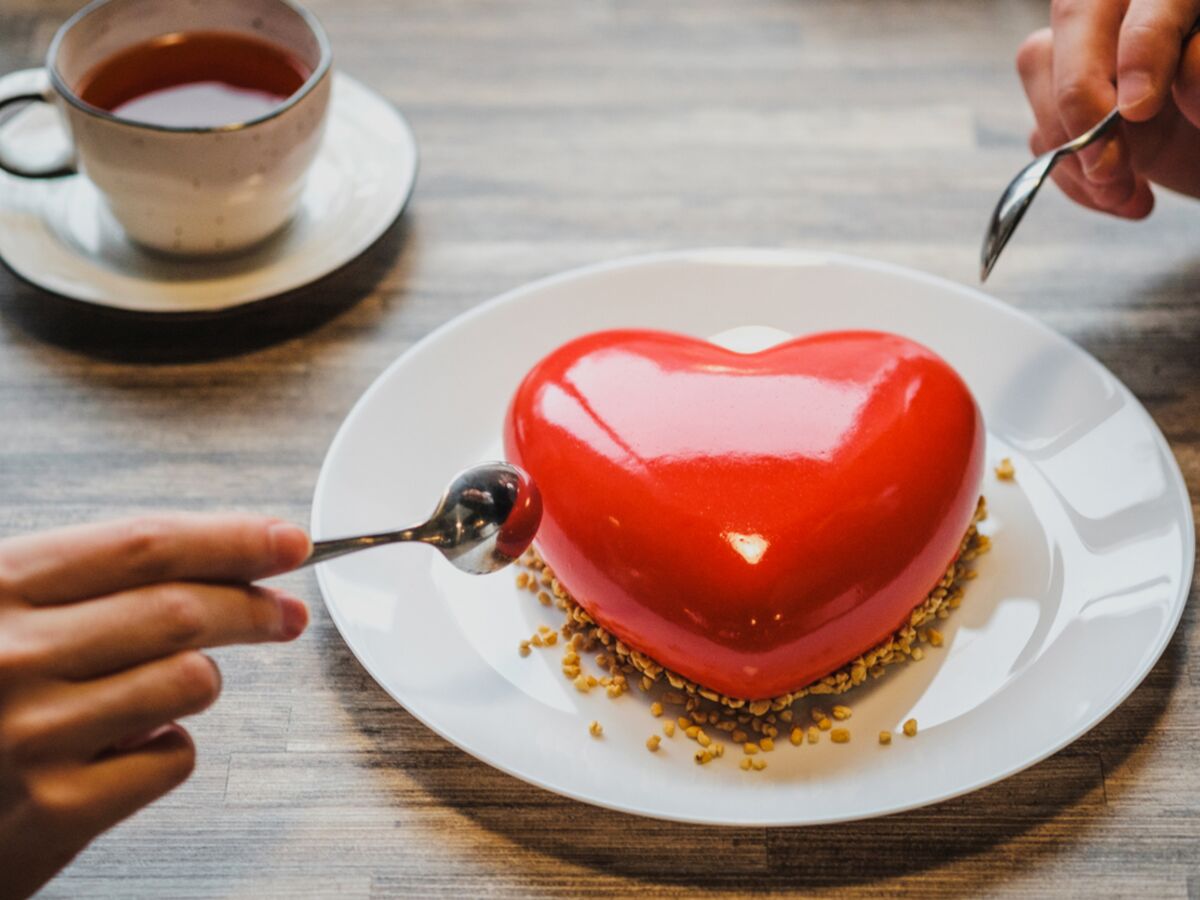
(1021, 190)
(486, 519)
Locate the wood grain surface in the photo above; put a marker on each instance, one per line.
(556, 133)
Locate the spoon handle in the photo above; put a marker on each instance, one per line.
(323, 550)
(1092, 135)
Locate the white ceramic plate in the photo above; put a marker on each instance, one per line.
(1093, 553)
(58, 234)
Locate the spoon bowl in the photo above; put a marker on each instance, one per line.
(1011, 208)
(487, 517)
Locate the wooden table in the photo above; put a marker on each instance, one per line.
(556, 133)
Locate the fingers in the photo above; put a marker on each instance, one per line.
(1083, 63)
(84, 800)
(1072, 183)
(83, 640)
(1187, 83)
(91, 560)
(1035, 64)
(1069, 181)
(1127, 197)
(67, 721)
(1148, 53)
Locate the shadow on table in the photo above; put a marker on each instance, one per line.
(132, 337)
(980, 834)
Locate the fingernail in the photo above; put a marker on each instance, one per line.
(294, 617)
(133, 741)
(290, 546)
(1132, 90)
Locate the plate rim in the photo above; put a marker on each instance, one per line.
(790, 258)
(66, 287)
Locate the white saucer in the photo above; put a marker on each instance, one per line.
(1092, 559)
(58, 234)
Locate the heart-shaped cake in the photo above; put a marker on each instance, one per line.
(751, 522)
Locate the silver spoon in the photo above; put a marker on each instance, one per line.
(485, 520)
(1021, 190)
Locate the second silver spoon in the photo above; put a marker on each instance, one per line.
(1021, 190)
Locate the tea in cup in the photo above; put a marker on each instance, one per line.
(197, 120)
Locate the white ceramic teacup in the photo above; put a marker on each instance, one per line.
(184, 191)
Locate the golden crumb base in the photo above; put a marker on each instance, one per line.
(584, 635)
(751, 727)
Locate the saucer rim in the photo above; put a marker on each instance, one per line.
(110, 302)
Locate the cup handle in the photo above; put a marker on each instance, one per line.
(21, 88)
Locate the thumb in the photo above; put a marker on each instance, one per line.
(1149, 48)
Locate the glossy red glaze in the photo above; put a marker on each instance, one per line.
(521, 526)
(751, 521)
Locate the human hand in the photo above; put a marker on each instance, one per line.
(1098, 54)
(99, 630)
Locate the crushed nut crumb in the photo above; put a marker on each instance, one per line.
(741, 719)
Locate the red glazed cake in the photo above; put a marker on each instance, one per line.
(751, 524)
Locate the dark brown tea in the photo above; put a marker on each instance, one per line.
(194, 79)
